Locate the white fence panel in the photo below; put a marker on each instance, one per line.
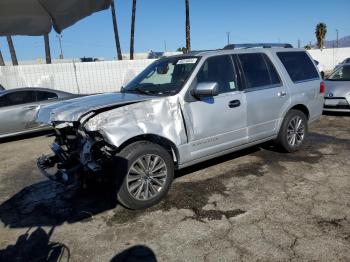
(84, 78)
(330, 57)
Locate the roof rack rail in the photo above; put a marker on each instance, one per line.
(262, 45)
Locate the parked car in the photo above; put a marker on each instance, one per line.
(182, 110)
(345, 61)
(19, 108)
(1, 88)
(337, 96)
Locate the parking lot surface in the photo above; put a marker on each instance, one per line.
(254, 205)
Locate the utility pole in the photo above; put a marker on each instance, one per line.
(60, 43)
(12, 51)
(228, 37)
(164, 46)
(337, 37)
(2, 62)
(116, 34)
(299, 43)
(47, 49)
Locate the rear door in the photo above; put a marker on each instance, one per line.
(304, 81)
(18, 111)
(265, 92)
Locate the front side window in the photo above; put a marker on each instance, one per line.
(163, 77)
(299, 66)
(20, 97)
(341, 74)
(219, 69)
(258, 70)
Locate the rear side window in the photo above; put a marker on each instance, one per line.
(43, 95)
(258, 70)
(299, 66)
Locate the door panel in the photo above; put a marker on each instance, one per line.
(264, 110)
(19, 112)
(214, 125)
(266, 95)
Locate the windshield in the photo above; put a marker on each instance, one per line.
(163, 77)
(341, 74)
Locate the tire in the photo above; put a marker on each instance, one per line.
(143, 169)
(290, 136)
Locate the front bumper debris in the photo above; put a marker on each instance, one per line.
(48, 166)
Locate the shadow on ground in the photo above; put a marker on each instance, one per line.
(135, 254)
(35, 246)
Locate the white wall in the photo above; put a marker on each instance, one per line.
(83, 78)
(330, 57)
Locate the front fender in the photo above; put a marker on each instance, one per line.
(160, 117)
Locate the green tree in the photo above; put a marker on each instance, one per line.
(321, 31)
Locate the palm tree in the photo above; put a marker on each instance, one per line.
(12, 51)
(47, 49)
(188, 28)
(132, 29)
(116, 34)
(2, 62)
(321, 31)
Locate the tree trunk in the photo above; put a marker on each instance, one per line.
(188, 27)
(116, 34)
(132, 29)
(12, 51)
(47, 49)
(2, 62)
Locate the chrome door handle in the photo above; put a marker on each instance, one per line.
(281, 94)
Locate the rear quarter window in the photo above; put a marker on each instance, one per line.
(299, 66)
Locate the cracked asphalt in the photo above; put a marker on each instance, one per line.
(254, 205)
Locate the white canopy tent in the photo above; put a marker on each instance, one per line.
(38, 17)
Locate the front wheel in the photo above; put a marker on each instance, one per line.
(146, 171)
(293, 131)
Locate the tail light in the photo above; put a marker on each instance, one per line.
(322, 88)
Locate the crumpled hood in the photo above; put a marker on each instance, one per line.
(72, 110)
(337, 88)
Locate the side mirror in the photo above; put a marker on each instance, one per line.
(206, 89)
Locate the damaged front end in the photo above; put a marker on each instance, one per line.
(77, 155)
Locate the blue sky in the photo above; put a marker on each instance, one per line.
(163, 20)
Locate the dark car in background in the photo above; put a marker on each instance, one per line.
(19, 108)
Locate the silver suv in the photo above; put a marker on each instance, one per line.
(182, 110)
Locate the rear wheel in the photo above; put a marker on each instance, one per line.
(293, 131)
(146, 171)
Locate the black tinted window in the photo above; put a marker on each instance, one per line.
(258, 70)
(3, 101)
(219, 69)
(21, 97)
(298, 65)
(43, 95)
